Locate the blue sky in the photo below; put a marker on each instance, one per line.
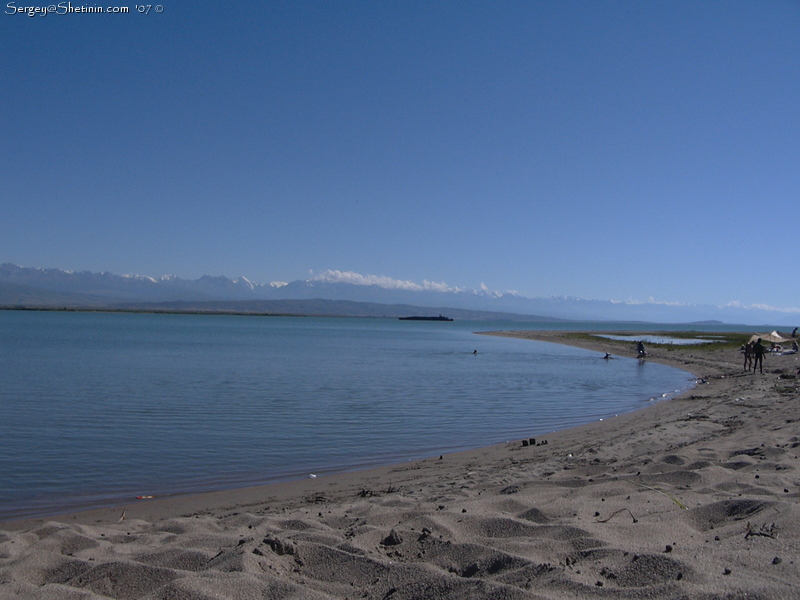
(605, 150)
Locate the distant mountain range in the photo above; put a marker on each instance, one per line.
(38, 287)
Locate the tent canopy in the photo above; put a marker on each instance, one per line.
(773, 337)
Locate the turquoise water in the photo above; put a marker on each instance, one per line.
(97, 408)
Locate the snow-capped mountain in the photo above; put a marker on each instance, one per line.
(56, 287)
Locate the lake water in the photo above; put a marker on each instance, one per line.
(97, 408)
(659, 339)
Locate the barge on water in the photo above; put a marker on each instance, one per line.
(439, 318)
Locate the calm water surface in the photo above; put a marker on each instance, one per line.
(96, 408)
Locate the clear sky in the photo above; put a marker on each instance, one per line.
(606, 150)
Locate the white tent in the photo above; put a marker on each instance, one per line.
(773, 337)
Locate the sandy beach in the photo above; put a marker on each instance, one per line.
(695, 497)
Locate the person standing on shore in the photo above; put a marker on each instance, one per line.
(748, 356)
(758, 356)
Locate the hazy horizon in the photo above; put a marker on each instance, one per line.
(118, 288)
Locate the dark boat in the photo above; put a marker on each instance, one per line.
(439, 318)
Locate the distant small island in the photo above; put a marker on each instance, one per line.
(439, 318)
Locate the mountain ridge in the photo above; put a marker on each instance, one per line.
(33, 286)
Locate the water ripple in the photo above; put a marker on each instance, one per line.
(99, 408)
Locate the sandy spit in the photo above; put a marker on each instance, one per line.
(695, 497)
